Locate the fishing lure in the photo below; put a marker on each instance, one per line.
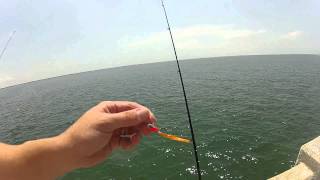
(168, 136)
(154, 129)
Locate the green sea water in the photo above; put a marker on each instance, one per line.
(251, 114)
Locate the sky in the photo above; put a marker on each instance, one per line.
(58, 37)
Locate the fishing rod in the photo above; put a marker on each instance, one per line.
(184, 94)
(7, 43)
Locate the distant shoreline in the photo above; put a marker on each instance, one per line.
(205, 58)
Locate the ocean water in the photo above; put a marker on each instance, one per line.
(251, 114)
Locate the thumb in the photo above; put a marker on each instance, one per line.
(128, 118)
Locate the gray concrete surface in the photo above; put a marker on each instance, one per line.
(307, 165)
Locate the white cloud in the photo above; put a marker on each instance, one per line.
(209, 41)
(292, 35)
(6, 80)
(189, 34)
(191, 42)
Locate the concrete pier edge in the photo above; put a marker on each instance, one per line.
(307, 165)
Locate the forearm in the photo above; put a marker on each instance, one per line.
(7, 162)
(39, 159)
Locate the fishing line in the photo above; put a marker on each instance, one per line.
(7, 43)
(185, 96)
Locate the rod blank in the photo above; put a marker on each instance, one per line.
(185, 96)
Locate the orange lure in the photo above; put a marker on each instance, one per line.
(168, 136)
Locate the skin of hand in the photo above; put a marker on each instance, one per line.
(89, 141)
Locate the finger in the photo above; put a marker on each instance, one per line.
(114, 141)
(129, 143)
(152, 117)
(116, 136)
(129, 118)
(125, 143)
(118, 106)
(144, 129)
(136, 140)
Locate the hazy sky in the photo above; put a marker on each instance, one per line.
(62, 37)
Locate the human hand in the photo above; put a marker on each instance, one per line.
(87, 142)
(96, 134)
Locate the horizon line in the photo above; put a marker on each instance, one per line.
(121, 66)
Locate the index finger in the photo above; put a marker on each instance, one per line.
(119, 106)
